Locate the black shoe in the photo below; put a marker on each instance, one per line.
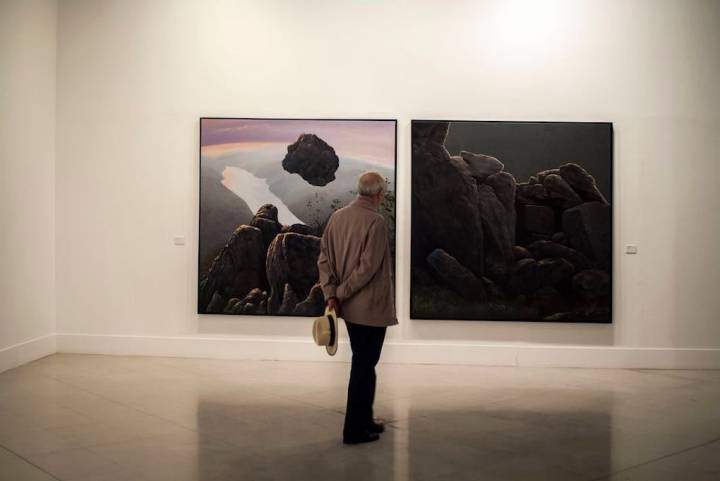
(365, 437)
(376, 427)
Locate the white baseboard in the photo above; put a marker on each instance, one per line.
(27, 351)
(412, 352)
(294, 349)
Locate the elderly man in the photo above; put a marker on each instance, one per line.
(356, 279)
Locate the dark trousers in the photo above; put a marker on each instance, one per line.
(366, 343)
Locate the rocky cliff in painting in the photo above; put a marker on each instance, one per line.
(220, 215)
(485, 246)
(448, 218)
(265, 268)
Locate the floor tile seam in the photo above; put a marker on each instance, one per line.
(632, 388)
(348, 362)
(174, 423)
(97, 449)
(268, 392)
(378, 398)
(87, 391)
(658, 459)
(501, 400)
(50, 428)
(70, 443)
(326, 409)
(23, 458)
(45, 373)
(103, 444)
(316, 406)
(379, 402)
(115, 465)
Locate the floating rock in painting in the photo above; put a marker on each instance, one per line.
(560, 191)
(313, 159)
(456, 276)
(481, 166)
(552, 272)
(445, 201)
(291, 259)
(587, 228)
(582, 182)
(591, 284)
(238, 268)
(313, 305)
(543, 249)
(300, 229)
(537, 219)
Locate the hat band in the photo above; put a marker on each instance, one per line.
(333, 334)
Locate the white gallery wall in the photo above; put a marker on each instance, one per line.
(133, 78)
(27, 180)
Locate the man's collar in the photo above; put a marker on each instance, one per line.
(365, 202)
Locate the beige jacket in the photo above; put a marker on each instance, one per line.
(355, 264)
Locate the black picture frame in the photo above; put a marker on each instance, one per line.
(414, 315)
(199, 199)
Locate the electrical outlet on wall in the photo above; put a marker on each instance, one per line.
(631, 249)
(179, 240)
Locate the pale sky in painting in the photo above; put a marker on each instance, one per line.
(370, 140)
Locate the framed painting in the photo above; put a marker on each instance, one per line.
(267, 189)
(512, 221)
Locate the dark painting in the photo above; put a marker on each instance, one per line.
(512, 221)
(267, 190)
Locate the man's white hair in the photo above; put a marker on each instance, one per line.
(371, 183)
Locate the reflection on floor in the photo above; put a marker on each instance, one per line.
(102, 418)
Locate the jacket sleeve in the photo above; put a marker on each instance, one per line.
(328, 282)
(371, 258)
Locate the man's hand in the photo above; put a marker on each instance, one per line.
(334, 304)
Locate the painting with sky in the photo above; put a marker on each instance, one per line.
(267, 189)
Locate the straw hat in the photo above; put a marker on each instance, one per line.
(325, 331)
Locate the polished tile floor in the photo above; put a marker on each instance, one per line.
(79, 417)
